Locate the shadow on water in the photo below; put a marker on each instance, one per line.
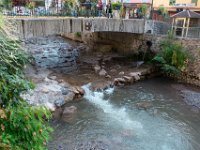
(112, 120)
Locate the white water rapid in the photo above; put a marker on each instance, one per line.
(118, 114)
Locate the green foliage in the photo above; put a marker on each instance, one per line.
(173, 57)
(78, 34)
(67, 7)
(22, 126)
(7, 4)
(30, 6)
(117, 5)
(122, 12)
(144, 9)
(162, 10)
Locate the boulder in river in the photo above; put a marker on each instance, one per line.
(101, 85)
(68, 113)
(64, 91)
(128, 79)
(135, 75)
(59, 102)
(97, 68)
(119, 81)
(102, 72)
(121, 73)
(69, 97)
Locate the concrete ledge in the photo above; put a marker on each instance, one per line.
(40, 27)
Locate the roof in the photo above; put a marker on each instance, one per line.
(186, 14)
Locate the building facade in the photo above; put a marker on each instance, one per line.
(174, 6)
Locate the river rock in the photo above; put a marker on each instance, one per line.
(103, 63)
(135, 75)
(101, 85)
(108, 76)
(102, 72)
(64, 91)
(128, 79)
(74, 90)
(37, 80)
(121, 73)
(97, 68)
(144, 105)
(52, 77)
(59, 102)
(191, 97)
(80, 90)
(68, 113)
(69, 97)
(118, 81)
(45, 90)
(113, 70)
(94, 145)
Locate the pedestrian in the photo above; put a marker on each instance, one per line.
(109, 10)
(88, 8)
(76, 10)
(100, 8)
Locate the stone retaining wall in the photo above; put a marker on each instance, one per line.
(129, 44)
(52, 52)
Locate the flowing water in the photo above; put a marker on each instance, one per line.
(111, 120)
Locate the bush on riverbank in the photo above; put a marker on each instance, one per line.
(173, 57)
(21, 126)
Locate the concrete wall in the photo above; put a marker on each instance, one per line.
(41, 27)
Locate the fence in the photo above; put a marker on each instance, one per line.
(157, 27)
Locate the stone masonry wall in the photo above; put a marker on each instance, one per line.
(53, 52)
(128, 44)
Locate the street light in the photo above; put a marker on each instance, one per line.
(152, 9)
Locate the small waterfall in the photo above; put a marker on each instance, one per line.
(119, 114)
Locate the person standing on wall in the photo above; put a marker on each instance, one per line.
(100, 8)
(109, 10)
(88, 8)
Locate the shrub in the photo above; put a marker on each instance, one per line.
(116, 5)
(122, 12)
(144, 9)
(162, 10)
(173, 57)
(22, 126)
(78, 34)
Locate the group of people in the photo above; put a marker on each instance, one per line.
(100, 8)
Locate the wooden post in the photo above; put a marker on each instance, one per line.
(183, 29)
(188, 24)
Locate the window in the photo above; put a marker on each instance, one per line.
(172, 2)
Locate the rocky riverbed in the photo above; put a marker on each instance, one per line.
(61, 68)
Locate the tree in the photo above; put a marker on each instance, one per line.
(31, 6)
(22, 126)
(144, 9)
(7, 4)
(162, 10)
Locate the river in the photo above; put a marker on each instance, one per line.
(111, 120)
